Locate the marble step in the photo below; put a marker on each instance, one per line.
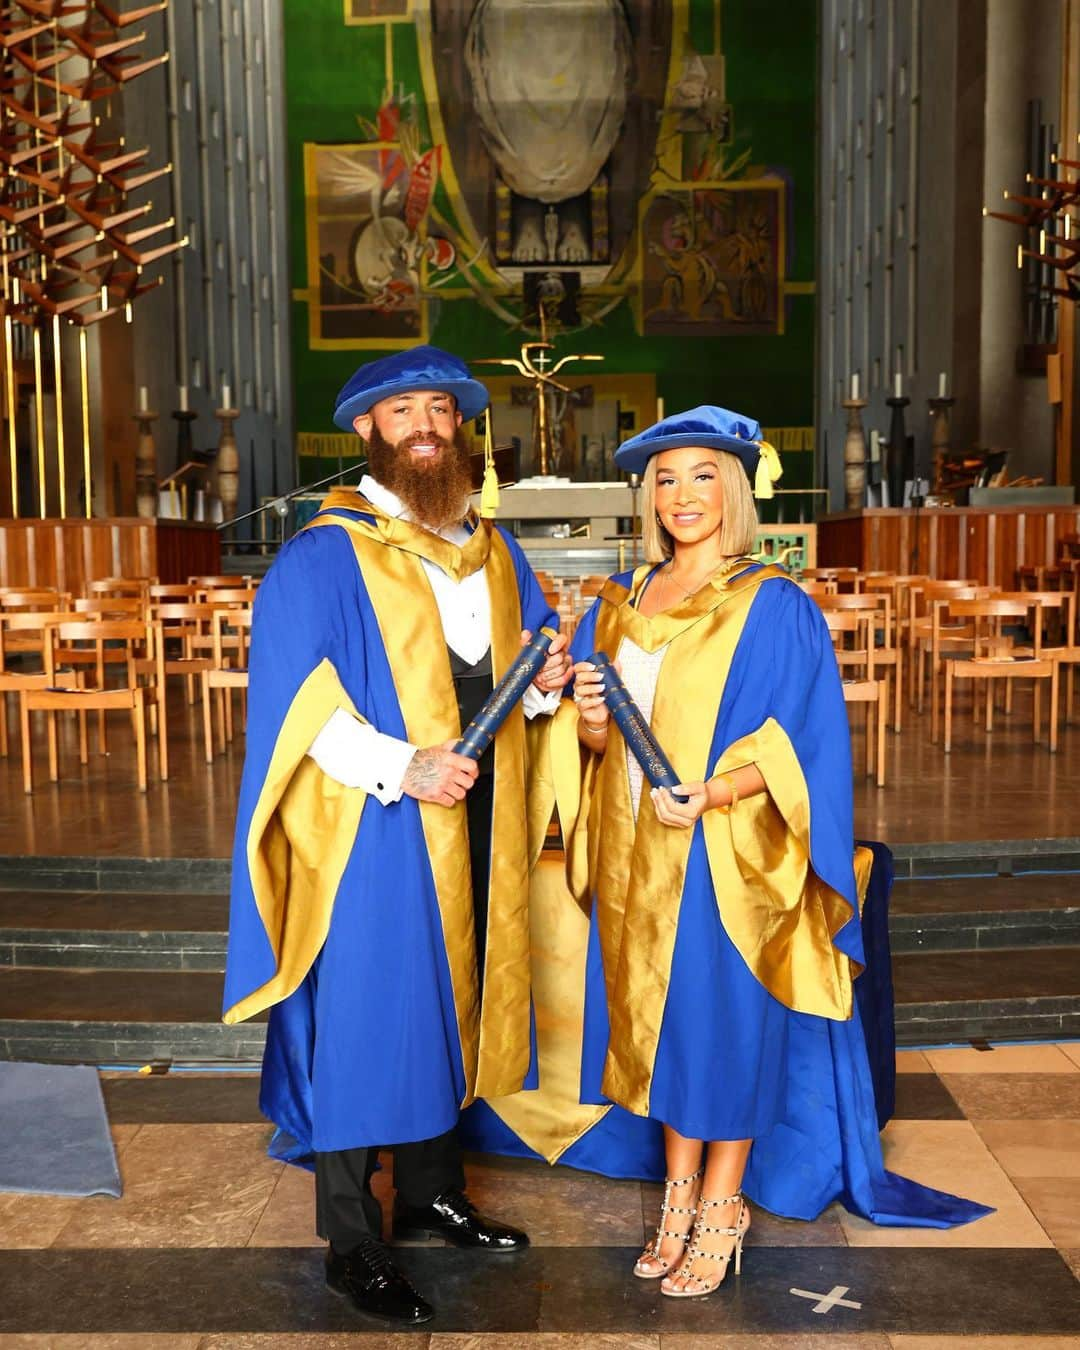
(210, 876)
(126, 930)
(140, 930)
(137, 1016)
(1032, 909)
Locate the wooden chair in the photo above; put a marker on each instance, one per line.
(117, 587)
(887, 658)
(918, 627)
(42, 599)
(129, 697)
(866, 688)
(1000, 662)
(180, 625)
(817, 588)
(223, 678)
(843, 576)
(13, 627)
(896, 585)
(112, 606)
(222, 597)
(1065, 653)
(208, 583)
(35, 597)
(180, 592)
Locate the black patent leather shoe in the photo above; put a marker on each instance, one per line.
(374, 1285)
(453, 1216)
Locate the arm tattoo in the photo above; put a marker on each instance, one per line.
(422, 775)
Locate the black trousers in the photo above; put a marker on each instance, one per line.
(346, 1212)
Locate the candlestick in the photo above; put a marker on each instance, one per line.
(939, 437)
(900, 465)
(228, 463)
(854, 453)
(184, 420)
(146, 471)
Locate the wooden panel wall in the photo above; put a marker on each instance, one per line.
(69, 553)
(984, 544)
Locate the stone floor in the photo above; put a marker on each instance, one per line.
(212, 1245)
(992, 786)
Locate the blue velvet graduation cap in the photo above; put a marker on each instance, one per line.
(405, 372)
(713, 429)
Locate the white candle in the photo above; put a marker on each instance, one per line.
(144, 398)
(183, 398)
(898, 385)
(941, 385)
(855, 386)
(226, 396)
(875, 449)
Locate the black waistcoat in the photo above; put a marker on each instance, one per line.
(472, 684)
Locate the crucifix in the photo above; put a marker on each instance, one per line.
(533, 364)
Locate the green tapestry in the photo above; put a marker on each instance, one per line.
(633, 179)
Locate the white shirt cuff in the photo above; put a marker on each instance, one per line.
(534, 703)
(356, 755)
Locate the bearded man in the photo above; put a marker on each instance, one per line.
(370, 909)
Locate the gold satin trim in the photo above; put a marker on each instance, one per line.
(864, 865)
(504, 1011)
(780, 915)
(562, 776)
(655, 631)
(638, 907)
(301, 834)
(552, 1118)
(457, 561)
(494, 1043)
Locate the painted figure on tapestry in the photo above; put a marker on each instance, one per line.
(380, 898)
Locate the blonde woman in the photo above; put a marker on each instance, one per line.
(725, 928)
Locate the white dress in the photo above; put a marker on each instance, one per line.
(640, 671)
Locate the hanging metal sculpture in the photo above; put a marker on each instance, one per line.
(74, 247)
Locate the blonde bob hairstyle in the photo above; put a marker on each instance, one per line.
(738, 526)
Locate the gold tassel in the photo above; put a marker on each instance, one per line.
(489, 493)
(769, 470)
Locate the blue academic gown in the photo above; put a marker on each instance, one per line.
(366, 1051)
(732, 1062)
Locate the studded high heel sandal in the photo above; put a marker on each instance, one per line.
(697, 1286)
(652, 1252)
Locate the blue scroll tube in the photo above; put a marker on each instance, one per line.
(498, 705)
(636, 732)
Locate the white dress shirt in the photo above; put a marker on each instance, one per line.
(357, 754)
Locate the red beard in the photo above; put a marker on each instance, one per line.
(435, 492)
